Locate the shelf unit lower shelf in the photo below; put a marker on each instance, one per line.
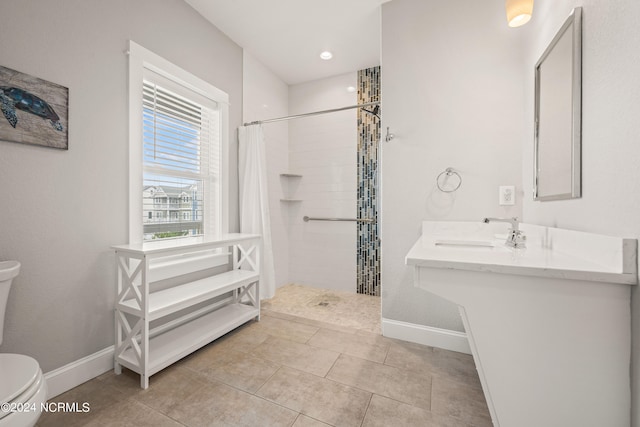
(170, 300)
(173, 345)
(206, 308)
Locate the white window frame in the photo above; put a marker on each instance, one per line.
(139, 60)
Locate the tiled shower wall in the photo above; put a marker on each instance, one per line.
(337, 156)
(322, 149)
(368, 244)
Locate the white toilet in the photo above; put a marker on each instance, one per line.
(22, 386)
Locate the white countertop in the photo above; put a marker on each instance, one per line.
(550, 252)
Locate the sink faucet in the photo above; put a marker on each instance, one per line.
(515, 238)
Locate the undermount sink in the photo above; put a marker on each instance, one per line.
(474, 244)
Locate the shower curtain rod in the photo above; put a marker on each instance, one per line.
(297, 116)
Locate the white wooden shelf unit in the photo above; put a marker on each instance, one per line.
(147, 351)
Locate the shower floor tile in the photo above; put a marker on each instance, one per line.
(345, 309)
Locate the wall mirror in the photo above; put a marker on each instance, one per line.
(558, 99)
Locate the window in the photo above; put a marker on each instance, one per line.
(178, 130)
(181, 152)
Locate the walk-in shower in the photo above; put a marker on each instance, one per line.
(330, 198)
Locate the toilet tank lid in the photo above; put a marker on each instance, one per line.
(17, 373)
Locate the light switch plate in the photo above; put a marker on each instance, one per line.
(507, 195)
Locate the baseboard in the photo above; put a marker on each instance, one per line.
(426, 335)
(75, 373)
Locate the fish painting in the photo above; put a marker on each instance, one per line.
(13, 98)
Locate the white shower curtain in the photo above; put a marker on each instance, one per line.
(254, 201)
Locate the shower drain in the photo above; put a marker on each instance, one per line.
(324, 300)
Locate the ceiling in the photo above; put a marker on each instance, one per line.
(288, 35)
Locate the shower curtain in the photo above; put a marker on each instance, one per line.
(254, 202)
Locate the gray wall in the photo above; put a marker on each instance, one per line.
(61, 210)
(452, 94)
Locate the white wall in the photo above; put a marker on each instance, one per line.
(61, 210)
(610, 202)
(323, 149)
(265, 96)
(452, 94)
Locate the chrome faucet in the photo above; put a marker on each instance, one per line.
(515, 237)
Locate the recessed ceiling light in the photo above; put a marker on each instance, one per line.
(326, 55)
(351, 89)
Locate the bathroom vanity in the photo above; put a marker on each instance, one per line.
(156, 283)
(548, 326)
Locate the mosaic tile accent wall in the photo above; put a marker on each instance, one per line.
(368, 245)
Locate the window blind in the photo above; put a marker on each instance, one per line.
(181, 156)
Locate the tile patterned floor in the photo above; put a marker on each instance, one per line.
(295, 371)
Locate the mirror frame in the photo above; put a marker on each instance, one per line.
(574, 18)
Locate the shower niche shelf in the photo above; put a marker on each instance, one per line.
(214, 305)
(291, 179)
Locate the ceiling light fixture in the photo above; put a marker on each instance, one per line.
(351, 89)
(326, 55)
(518, 12)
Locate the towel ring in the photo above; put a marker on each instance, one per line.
(447, 173)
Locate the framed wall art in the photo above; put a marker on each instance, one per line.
(34, 111)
